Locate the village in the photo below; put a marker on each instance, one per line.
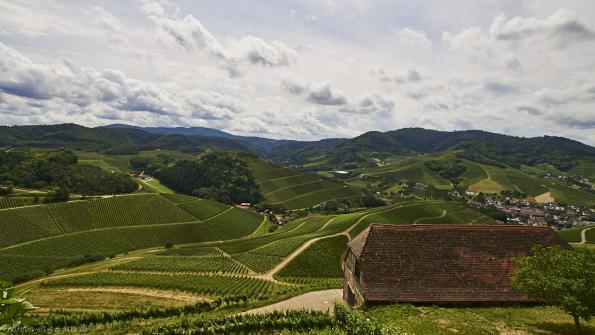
(523, 212)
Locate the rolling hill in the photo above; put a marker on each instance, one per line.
(293, 190)
(39, 239)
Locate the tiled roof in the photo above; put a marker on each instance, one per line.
(445, 263)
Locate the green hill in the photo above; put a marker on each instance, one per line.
(293, 190)
(42, 238)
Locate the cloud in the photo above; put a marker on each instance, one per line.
(319, 94)
(152, 8)
(562, 28)
(109, 24)
(414, 38)
(370, 105)
(411, 75)
(190, 34)
(499, 88)
(529, 109)
(294, 85)
(81, 90)
(258, 52)
(324, 95)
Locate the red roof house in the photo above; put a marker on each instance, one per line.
(439, 263)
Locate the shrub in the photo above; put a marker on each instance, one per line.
(28, 276)
(169, 245)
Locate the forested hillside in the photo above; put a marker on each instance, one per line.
(48, 169)
(224, 177)
(478, 146)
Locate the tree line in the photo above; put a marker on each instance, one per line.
(60, 170)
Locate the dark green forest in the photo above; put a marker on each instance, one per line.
(221, 176)
(60, 169)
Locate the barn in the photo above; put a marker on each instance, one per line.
(441, 263)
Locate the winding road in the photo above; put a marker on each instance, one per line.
(316, 300)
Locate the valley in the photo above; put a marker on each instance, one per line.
(183, 251)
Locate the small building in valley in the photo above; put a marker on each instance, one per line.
(443, 263)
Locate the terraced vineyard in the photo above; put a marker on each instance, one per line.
(212, 258)
(321, 260)
(10, 202)
(211, 264)
(288, 188)
(39, 239)
(209, 286)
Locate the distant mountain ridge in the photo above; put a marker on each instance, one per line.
(476, 145)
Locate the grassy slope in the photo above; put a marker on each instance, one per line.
(404, 318)
(293, 190)
(47, 237)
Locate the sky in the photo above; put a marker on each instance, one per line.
(306, 69)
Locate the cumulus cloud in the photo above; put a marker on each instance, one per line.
(370, 105)
(530, 109)
(107, 22)
(319, 93)
(151, 7)
(322, 94)
(86, 89)
(414, 38)
(258, 52)
(563, 27)
(411, 75)
(294, 85)
(190, 34)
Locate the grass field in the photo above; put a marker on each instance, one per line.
(154, 185)
(408, 319)
(585, 168)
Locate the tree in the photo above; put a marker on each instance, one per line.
(560, 277)
(11, 309)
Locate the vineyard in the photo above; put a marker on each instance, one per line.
(26, 224)
(37, 240)
(197, 264)
(215, 255)
(321, 259)
(203, 209)
(288, 188)
(10, 202)
(208, 286)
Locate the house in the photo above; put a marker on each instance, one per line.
(443, 263)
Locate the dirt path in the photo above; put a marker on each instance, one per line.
(83, 270)
(174, 295)
(306, 194)
(584, 235)
(269, 275)
(288, 187)
(316, 300)
(431, 217)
